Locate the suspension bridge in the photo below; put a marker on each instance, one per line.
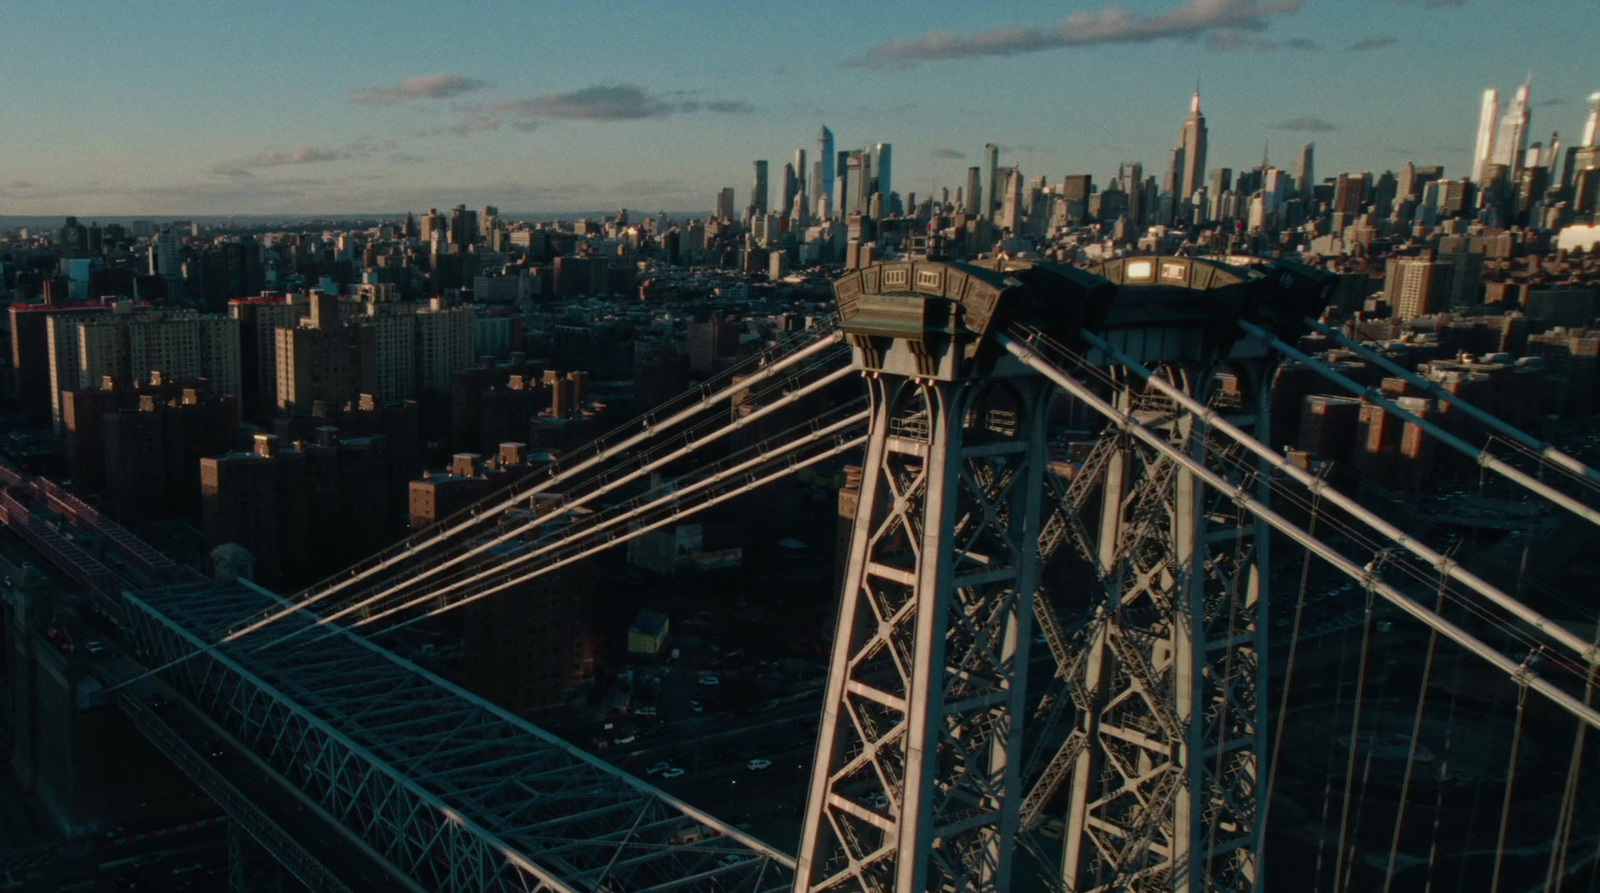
(1151, 571)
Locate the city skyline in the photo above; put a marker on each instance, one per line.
(510, 109)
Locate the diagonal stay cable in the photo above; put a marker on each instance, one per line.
(717, 431)
(751, 482)
(393, 556)
(1248, 502)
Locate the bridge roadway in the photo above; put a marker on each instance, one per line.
(435, 785)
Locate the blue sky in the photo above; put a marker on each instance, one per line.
(302, 107)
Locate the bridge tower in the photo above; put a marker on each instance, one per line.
(1169, 678)
(916, 784)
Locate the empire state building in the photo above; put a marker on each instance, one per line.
(1189, 159)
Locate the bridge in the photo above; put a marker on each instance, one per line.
(1146, 573)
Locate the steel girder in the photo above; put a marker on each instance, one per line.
(916, 784)
(456, 793)
(1166, 756)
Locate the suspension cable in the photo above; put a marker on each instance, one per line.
(1411, 751)
(1354, 508)
(1288, 672)
(751, 484)
(1544, 451)
(718, 430)
(433, 537)
(1511, 778)
(1555, 875)
(671, 494)
(1125, 421)
(1355, 737)
(1482, 457)
(1444, 770)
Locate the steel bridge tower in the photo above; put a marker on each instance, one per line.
(915, 784)
(919, 782)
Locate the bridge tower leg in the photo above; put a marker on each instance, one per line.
(1168, 778)
(915, 785)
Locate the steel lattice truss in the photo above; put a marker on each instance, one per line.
(455, 793)
(914, 786)
(1163, 793)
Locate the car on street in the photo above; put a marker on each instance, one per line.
(697, 707)
(625, 739)
(759, 764)
(96, 648)
(673, 772)
(710, 680)
(658, 768)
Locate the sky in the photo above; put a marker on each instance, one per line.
(168, 108)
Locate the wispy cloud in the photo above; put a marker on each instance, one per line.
(729, 107)
(1550, 103)
(426, 86)
(949, 154)
(1303, 44)
(599, 103)
(1435, 4)
(1111, 24)
(1376, 42)
(1306, 124)
(294, 155)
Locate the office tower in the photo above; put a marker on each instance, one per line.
(817, 187)
(1483, 150)
(259, 319)
(991, 189)
(487, 218)
(841, 196)
(973, 193)
(1553, 156)
(860, 168)
(1407, 184)
(166, 261)
(824, 158)
(799, 171)
(758, 192)
(1131, 176)
(725, 203)
(409, 229)
(1192, 140)
(788, 189)
(1416, 286)
(1511, 141)
(881, 165)
(1011, 202)
(1591, 125)
(1305, 174)
(463, 227)
(1221, 181)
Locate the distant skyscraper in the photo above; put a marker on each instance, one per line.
(725, 203)
(1488, 117)
(819, 184)
(991, 186)
(758, 192)
(881, 166)
(1591, 127)
(860, 168)
(841, 195)
(824, 158)
(1305, 175)
(1511, 141)
(799, 170)
(971, 196)
(788, 189)
(1192, 139)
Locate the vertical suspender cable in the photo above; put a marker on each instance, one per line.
(1511, 778)
(1355, 736)
(1411, 754)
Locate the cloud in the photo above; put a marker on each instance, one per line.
(406, 158)
(1373, 43)
(951, 154)
(1112, 24)
(608, 103)
(729, 107)
(1306, 124)
(1550, 103)
(427, 86)
(1304, 44)
(279, 157)
(1435, 4)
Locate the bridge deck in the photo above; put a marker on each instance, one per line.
(455, 792)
